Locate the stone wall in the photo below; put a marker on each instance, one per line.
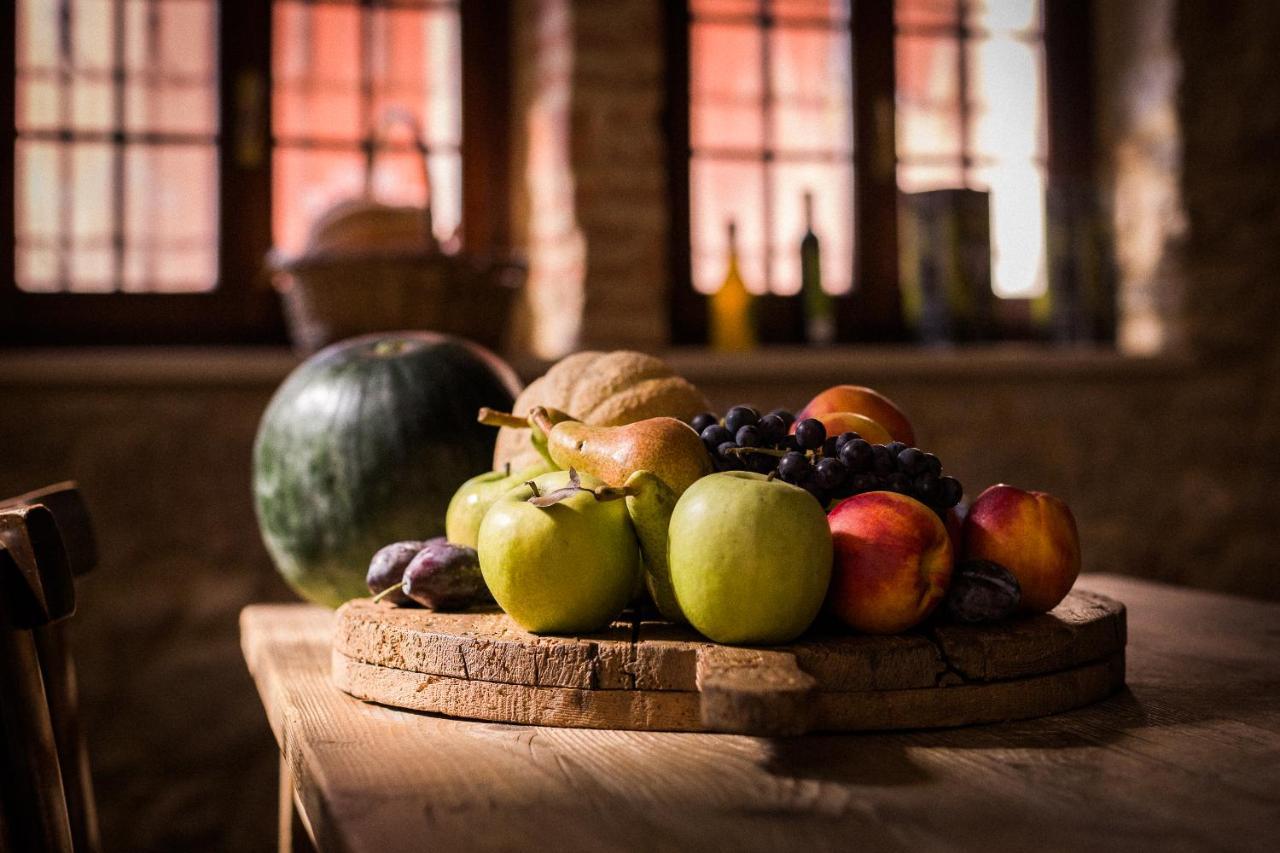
(181, 753)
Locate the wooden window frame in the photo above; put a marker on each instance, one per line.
(243, 308)
(872, 312)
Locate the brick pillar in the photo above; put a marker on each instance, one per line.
(591, 202)
(619, 157)
(1139, 73)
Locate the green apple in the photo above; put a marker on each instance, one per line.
(566, 568)
(474, 497)
(750, 558)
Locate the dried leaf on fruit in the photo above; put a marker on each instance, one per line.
(551, 498)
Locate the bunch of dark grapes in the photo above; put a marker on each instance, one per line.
(830, 467)
(745, 440)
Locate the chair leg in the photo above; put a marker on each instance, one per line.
(58, 669)
(35, 807)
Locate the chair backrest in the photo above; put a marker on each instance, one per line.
(46, 798)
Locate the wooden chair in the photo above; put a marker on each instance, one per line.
(46, 798)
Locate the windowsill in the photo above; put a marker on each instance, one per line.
(832, 365)
(267, 366)
(146, 366)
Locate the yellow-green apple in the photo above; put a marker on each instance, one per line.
(1033, 535)
(862, 401)
(474, 497)
(838, 422)
(750, 558)
(564, 568)
(893, 562)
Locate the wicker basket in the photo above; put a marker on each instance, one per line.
(371, 267)
(331, 297)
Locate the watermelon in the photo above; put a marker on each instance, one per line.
(363, 445)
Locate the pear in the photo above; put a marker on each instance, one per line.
(665, 446)
(650, 502)
(538, 435)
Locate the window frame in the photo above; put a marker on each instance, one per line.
(872, 312)
(243, 308)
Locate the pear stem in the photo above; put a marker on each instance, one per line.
(492, 417)
(393, 588)
(613, 493)
(541, 418)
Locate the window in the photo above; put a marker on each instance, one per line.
(162, 147)
(771, 120)
(116, 150)
(970, 109)
(340, 71)
(858, 102)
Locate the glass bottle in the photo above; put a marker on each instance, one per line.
(819, 309)
(731, 322)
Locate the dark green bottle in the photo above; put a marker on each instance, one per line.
(819, 310)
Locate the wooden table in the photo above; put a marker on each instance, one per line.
(1187, 758)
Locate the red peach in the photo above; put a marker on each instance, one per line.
(862, 401)
(1033, 535)
(893, 561)
(838, 422)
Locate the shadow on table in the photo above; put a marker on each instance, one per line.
(1097, 725)
(883, 759)
(845, 759)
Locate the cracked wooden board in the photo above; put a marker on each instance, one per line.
(658, 676)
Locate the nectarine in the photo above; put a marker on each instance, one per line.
(1033, 535)
(838, 422)
(893, 562)
(862, 401)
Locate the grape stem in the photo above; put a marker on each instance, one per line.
(492, 417)
(767, 451)
(388, 591)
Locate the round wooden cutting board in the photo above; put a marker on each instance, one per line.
(662, 677)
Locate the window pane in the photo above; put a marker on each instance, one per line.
(99, 207)
(39, 188)
(810, 11)
(39, 101)
(1004, 17)
(710, 8)
(812, 88)
(921, 177)
(93, 103)
(928, 97)
(1006, 99)
(306, 184)
(38, 35)
(340, 72)
(989, 137)
(758, 150)
(1017, 227)
(169, 66)
(93, 34)
(170, 218)
(723, 191)
(926, 13)
(725, 87)
(316, 71)
(832, 187)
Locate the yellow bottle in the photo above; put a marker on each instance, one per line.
(731, 322)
